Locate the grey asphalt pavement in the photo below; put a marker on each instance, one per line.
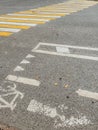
(52, 103)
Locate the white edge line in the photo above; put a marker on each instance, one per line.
(68, 55)
(37, 46)
(69, 46)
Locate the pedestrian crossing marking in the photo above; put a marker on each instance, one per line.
(42, 13)
(20, 24)
(31, 19)
(60, 12)
(9, 30)
(58, 9)
(28, 18)
(22, 21)
(5, 34)
(13, 26)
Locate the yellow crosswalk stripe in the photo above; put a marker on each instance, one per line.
(5, 34)
(49, 14)
(41, 14)
(37, 16)
(61, 8)
(22, 21)
(57, 10)
(13, 26)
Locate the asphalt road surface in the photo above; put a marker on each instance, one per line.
(48, 64)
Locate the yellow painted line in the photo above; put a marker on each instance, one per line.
(52, 13)
(5, 34)
(41, 13)
(13, 26)
(30, 19)
(34, 11)
(57, 10)
(22, 21)
(35, 16)
(61, 10)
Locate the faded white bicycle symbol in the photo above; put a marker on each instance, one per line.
(9, 92)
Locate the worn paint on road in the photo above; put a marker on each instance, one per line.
(46, 110)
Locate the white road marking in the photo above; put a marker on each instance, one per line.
(67, 55)
(87, 94)
(73, 122)
(38, 45)
(48, 16)
(9, 30)
(46, 110)
(70, 46)
(29, 56)
(9, 91)
(62, 50)
(19, 68)
(23, 80)
(36, 19)
(62, 107)
(13, 23)
(35, 106)
(24, 62)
